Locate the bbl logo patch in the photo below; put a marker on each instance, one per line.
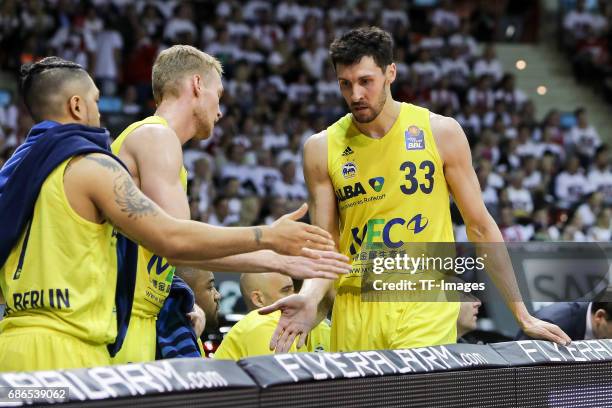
(377, 183)
(415, 138)
(349, 170)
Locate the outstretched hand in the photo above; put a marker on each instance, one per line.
(298, 318)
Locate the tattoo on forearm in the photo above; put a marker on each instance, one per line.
(105, 162)
(131, 200)
(258, 233)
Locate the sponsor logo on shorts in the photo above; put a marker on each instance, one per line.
(415, 138)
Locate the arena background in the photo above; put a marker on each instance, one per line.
(529, 81)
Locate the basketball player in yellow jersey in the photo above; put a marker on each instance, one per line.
(383, 173)
(187, 88)
(60, 276)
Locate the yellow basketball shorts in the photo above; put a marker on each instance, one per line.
(358, 325)
(33, 349)
(140, 341)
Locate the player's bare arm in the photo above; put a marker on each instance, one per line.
(302, 312)
(98, 188)
(158, 157)
(481, 227)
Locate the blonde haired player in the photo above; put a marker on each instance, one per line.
(383, 174)
(187, 88)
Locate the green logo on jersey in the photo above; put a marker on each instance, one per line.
(377, 183)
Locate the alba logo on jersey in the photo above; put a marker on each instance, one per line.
(377, 229)
(350, 191)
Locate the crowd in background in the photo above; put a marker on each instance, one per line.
(543, 176)
(586, 37)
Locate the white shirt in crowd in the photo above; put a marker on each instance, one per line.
(599, 234)
(586, 140)
(179, 25)
(108, 42)
(313, 61)
(516, 98)
(446, 19)
(517, 233)
(601, 180)
(532, 180)
(570, 188)
(586, 214)
(8, 118)
(390, 18)
(521, 200)
(492, 68)
(294, 191)
(290, 11)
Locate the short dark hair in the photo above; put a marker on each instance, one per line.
(42, 80)
(362, 42)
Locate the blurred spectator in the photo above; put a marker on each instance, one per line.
(571, 184)
(289, 187)
(511, 230)
(109, 45)
(220, 214)
(584, 137)
(519, 196)
(600, 176)
(181, 23)
(602, 230)
(488, 64)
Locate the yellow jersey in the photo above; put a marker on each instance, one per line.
(62, 274)
(389, 191)
(251, 337)
(154, 274)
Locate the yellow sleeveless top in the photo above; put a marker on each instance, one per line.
(154, 274)
(62, 274)
(389, 191)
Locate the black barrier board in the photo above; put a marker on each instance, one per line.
(135, 380)
(479, 388)
(565, 386)
(536, 352)
(297, 367)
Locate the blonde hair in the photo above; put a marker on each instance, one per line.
(174, 63)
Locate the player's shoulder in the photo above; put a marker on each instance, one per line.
(154, 141)
(316, 141)
(449, 137)
(155, 134)
(443, 124)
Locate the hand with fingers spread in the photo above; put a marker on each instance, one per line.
(298, 318)
(316, 264)
(542, 330)
(287, 236)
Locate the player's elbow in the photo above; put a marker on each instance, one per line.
(483, 229)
